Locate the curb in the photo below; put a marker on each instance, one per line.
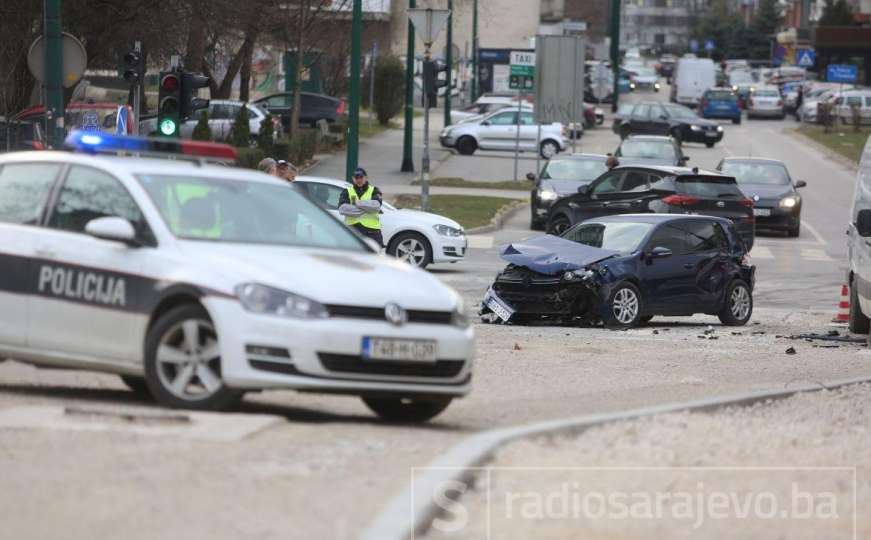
(396, 523)
(823, 149)
(504, 214)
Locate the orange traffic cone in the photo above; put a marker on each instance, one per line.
(843, 306)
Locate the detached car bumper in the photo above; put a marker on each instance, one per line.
(325, 355)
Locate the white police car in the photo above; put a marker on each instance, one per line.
(419, 238)
(200, 282)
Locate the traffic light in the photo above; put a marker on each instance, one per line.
(133, 67)
(432, 82)
(190, 103)
(168, 103)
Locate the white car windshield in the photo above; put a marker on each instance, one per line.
(647, 149)
(621, 236)
(237, 211)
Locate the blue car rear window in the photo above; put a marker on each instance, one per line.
(721, 96)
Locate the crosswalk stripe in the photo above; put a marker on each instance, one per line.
(480, 241)
(760, 252)
(815, 255)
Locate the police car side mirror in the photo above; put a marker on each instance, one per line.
(112, 228)
(863, 223)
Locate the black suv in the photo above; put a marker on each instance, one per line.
(677, 121)
(313, 107)
(657, 189)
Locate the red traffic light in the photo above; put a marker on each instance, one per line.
(170, 83)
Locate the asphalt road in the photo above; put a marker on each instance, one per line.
(329, 467)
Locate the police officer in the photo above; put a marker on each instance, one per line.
(361, 206)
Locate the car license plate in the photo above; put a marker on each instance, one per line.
(498, 306)
(711, 134)
(399, 350)
(762, 212)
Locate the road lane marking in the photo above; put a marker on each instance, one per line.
(759, 252)
(479, 241)
(815, 255)
(814, 232)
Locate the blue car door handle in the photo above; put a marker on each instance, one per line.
(689, 266)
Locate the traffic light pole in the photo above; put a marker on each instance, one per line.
(424, 161)
(474, 50)
(54, 60)
(449, 59)
(354, 91)
(615, 51)
(408, 135)
(137, 101)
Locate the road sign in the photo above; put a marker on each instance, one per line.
(75, 60)
(805, 57)
(709, 45)
(428, 23)
(575, 26)
(601, 82)
(843, 73)
(90, 121)
(522, 74)
(694, 45)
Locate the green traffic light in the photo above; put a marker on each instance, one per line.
(168, 126)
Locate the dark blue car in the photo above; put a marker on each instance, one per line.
(624, 270)
(720, 103)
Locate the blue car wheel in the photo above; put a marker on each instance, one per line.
(623, 308)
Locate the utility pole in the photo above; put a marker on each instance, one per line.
(449, 59)
(408, 135)
(354, 90)
(54, 61)
(474, 50)
(615, 51)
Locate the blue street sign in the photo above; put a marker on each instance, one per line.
(841, 73)
(805, 57)
(694, 45)
(709, 45)
(121, 121)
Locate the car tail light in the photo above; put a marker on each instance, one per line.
(746, 202)
(341, 108)
(680, 200)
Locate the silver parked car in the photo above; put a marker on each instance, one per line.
(767, 102)
(499, 131)
(222, 115)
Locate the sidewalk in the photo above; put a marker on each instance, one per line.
(381, 155)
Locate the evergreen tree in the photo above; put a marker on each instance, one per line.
(763, 28)
(265, 140)
(202, 131)
(836, 13)
(240, 134)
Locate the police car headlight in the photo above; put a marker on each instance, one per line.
(789, 202)
(446, 230)
(459, 317)
(265, 300)
(719, 128)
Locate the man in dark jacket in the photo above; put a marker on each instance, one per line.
(361, 206)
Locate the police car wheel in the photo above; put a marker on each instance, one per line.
(183, 363)
(407, 409)
(136, 384)
(412, 248)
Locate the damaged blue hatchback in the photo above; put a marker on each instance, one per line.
(623, 270)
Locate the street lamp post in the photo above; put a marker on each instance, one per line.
(54, 92)
(354, 91)
(474, 50)
(408, 134)
(615, 51)
(449, 59)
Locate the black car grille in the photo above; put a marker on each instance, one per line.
(348, 363)
(377, 314)
(525, 276)
(533, 293)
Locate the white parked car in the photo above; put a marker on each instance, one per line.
(419, 238)
(808, 110)
(646, 78)
(222, 115)
(498, 131)
(766, 101)
(856, 98)
(197, 283)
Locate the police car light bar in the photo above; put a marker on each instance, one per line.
(94, 142)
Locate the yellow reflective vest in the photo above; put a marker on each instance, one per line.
(370, 221)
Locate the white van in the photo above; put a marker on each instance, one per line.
(692, 77)
(859, 248)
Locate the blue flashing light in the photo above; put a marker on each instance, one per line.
(100, 142)
(90, 142)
